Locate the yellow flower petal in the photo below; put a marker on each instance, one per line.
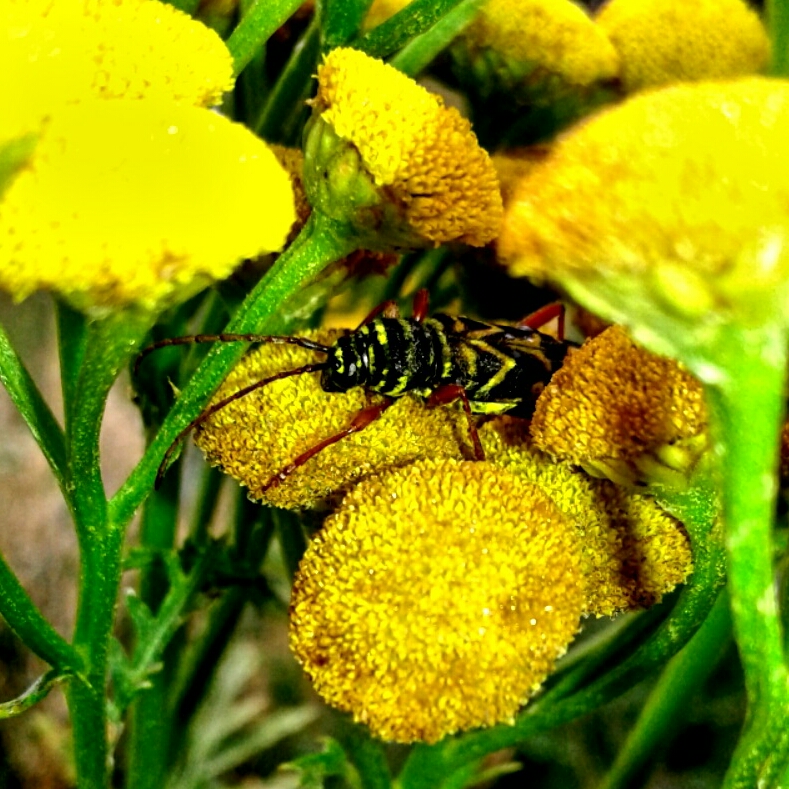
(664, 41)
(632, 552)
(436, 599)
(257, 436)
(423, 154)
(139, 202)
(676, 200)
(55, 53)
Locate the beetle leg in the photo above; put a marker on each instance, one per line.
(540, 317)
(448, 393)
(363, 418)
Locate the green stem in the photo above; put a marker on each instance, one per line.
(148, 740)
(110, 343)
(256, 28)
(746, 410)
(321, 242)
(679, 682)
(778, 21)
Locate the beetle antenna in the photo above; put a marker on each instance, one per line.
(218, 406)
(197, 338)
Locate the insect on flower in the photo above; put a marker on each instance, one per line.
(490, 369)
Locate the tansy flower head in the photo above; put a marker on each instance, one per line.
(255, 437)
(537, 50)
(623, 412)
(673, 203)
(632, 552)
(132, 202)
(664, 41)
(387, 156)
(56, 53)
(436, 599)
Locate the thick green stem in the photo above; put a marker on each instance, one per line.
(110, 344)
(747, 406)
(320, 242)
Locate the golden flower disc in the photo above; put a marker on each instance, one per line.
(676, 202)
(424, 153)
(254, 438)
(556, 37)
(436, 599)
(139, 202)
(665, 41)
(613, 402)
(55, 53)
(632, 551)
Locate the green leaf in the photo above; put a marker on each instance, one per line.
(33, 408)
(256, 27)
(316, 767)
(341, 21)
(422, 50)
(35, 693)
(413, 20)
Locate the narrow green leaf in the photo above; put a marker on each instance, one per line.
(35, 693)
(31, 405)
(256, 27)
(422, 50)
(341, 21)
(413, 20)
(25, 619)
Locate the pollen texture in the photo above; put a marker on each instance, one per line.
(254, 438)
(423, 153)
(555, 37)
(665, 41)
(614, 401)
(631, 551)
(436, 599)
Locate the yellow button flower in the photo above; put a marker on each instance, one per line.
(675, 202)
(623, 412)
(436, 599)
(55, 53)
(255, 437)
(387, 156)
(139, 202)
(539, 47)
(664, 41)
(632, 552)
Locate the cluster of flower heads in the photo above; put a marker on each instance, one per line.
(544, 51)
(440, 592)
